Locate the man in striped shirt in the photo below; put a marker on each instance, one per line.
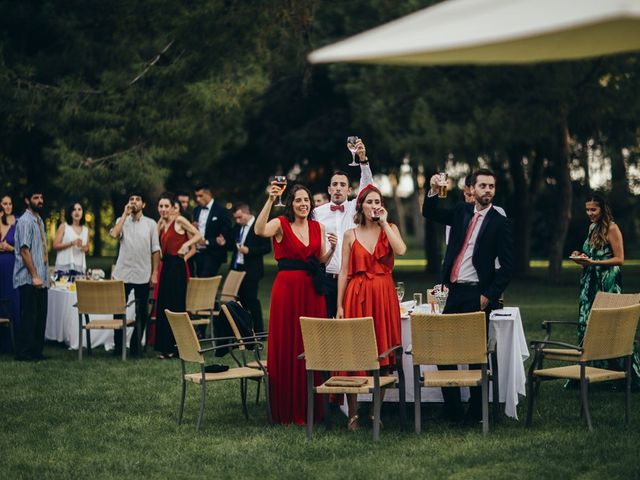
(31, 278)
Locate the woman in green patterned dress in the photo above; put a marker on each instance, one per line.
(601, 258)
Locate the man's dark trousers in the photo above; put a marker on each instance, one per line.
(463, 299)
(33, 321)
(141, 294)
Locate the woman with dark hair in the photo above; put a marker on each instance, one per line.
(601, 258)
(177, 236)
(365, 285)
(7, 260)
(297, 291)
(72, 242)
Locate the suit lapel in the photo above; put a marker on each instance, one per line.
(483, 227)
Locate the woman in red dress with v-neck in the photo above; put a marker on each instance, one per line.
(298, 247)
(365, 284)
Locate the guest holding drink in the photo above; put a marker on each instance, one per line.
(601, 258)
(298, 243)
(7, 260)
(365, 285)
(177, 237)
(72, 242)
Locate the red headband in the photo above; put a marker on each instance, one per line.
(365, 189)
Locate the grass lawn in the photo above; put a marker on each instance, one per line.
(103, 418)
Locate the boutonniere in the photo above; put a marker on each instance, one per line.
(213, 219)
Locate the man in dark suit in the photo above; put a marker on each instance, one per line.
(479, 235)
(213, 221)
(248, 250)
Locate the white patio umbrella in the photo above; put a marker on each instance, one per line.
(496, 32)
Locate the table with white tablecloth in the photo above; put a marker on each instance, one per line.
(505, 326)
(62, 321)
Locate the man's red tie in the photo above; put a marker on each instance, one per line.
(455, 270)
(340, 208)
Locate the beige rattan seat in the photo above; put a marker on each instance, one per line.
(450, 339)
(201, 299)
(609, 334)
(602, 300)
(347, 345)
(104, 297)
(190, 351)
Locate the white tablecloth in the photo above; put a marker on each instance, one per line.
(505, 326)
(62, 321)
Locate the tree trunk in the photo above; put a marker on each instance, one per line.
(564, 194)
(526, 184)
(620, 196)
(96, 204)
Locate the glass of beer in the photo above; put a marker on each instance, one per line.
(442, 185)
(280, 181)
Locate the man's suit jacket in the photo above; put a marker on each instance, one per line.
(258, 248)
(494, 240)
(218, 223)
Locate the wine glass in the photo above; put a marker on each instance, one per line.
(351, 145)
(281, 181)
(400, 290)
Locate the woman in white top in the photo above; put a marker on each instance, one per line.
(72, 242)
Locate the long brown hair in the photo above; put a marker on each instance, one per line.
(288, 205)
(600, 232)
(359, 218)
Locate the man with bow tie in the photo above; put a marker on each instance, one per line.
(337, 218)
(213, 221)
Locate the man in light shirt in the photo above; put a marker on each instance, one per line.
(137, 263)
(337, 218)
(479, 235)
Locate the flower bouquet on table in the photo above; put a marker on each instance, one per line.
(438, 297)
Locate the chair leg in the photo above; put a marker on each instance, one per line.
(417, 399)
(309, 404)
(325, 403)
(267, 400)
(124, 341)
(182, 397)
(627, 394)
(584, 391)
(243, 396)
(203, 394)
(80, 337)
(12, 335)
(403, 395)
(485, 400)
(88, 334)
(376, 405)
(258, 393)
(532, 393)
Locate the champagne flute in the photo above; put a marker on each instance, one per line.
(351, 145)
(280, 181)
(400, 290)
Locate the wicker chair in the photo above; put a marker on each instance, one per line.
(451, 339)
(231, 286)
(201, 299)
(104, 297)
(347, 345)
(190, 351)
(610, 334)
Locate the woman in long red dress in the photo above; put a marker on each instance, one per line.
(299, 249)
(177, 236)
(365, 284)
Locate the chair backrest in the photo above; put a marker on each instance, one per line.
(347, 344)
(104, 297)
(201, 293)
(613, 300)
(231, 285)
(232, 324)
(610, 332)
(449, 339)
(185, 335)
